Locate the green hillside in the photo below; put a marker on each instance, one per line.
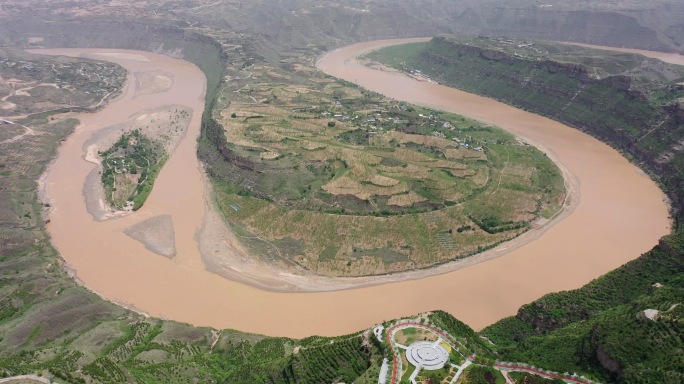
(602, 328)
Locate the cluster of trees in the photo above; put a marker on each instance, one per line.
(493, 224)
(132, 152)
(527, 378)
(465, 335)
(341, 361)
(479, 374)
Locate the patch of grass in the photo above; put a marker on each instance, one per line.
(395, 55)
(409, 371)
(387, 256)
(329, 253)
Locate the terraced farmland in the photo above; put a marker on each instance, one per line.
(328, 177)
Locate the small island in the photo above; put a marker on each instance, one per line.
(132, 161)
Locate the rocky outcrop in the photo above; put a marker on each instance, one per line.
(603, 357)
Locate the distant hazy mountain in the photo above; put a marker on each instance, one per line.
(656, 25)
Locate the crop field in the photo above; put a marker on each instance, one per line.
(631, 101)
(332, 178)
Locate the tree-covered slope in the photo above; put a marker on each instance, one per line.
(626, 326)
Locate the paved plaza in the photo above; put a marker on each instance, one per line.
(430, 355)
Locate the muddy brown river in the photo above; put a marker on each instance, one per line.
(619, 213)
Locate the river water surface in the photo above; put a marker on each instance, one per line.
(619, 214)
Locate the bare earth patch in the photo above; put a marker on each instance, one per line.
(269, 155)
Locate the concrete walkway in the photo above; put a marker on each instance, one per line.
(383, 371)
(460, 371)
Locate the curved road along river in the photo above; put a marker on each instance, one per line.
(621, 214)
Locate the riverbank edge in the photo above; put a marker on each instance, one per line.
(268, 277)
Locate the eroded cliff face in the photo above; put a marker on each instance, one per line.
(295, 22)
(655, 25)
(110, 33)
(283, 25)
(602, 355)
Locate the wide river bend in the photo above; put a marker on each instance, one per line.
(620, 214)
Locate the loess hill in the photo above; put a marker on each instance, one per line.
(320, 175)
